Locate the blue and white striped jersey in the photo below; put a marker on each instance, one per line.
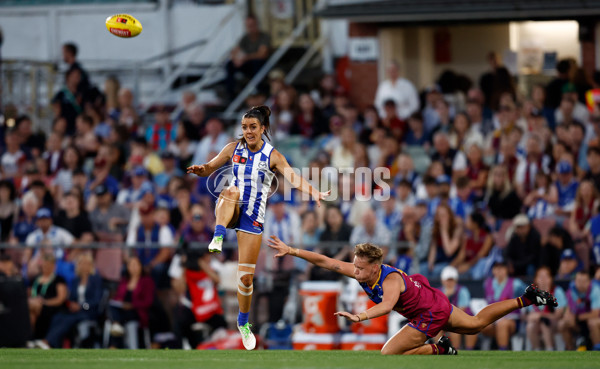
(253, 176)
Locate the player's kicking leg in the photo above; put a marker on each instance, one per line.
(461, 322)
(409, 341)
(227, 212)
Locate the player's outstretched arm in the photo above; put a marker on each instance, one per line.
(217, 162)
(319, 260)
(282, 166)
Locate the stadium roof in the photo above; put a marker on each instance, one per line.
(453, 11)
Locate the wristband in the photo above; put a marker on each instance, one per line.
(363, 316)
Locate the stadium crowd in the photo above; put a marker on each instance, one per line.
(487, 184)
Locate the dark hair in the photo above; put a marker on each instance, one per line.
(479, 220)
(429, 180)
(76, 150)
(11, 187)
(262, 114)
(578, 125)
(20, 119)
(563, 66)
(86, 118)
(37, 183)
(593, 149)
(462, 182)
(71, 47)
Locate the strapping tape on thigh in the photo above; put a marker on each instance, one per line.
(242, 273)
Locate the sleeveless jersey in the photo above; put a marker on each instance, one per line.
(566, 194)
(253, 176)
(418, 300)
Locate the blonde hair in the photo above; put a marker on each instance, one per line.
(85, 256)
(506, 185)
(372, 253)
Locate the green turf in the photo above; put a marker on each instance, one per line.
(177, 359)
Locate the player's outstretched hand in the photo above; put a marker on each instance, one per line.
(351, 317)
(279, 246)
(196, 169)
(322, 196)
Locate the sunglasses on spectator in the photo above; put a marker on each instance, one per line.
(197, 217)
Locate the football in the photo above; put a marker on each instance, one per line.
(123, 25)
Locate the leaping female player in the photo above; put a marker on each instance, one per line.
(242, 205)
(428, 310)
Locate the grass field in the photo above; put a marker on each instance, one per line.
(177, 359)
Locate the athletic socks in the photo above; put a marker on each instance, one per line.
(219, 231)
(523, 301)
(242, 318)
(438, 349)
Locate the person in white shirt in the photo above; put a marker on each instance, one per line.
(214, 140)
(399, 89)
(371, 230)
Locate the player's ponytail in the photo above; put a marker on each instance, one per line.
(262, 114)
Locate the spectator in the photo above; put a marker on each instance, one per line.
(85, 295)
(566, 188)
(542, 324)
(8, 209)
(586, 205)
(214, 140)
(25, 220)
(416, 134)
(69, 52)
(101, 175)
(197, 230)
(558, 240)
(444, 123)
(475, 247)
(593, 173)
(501, 199)
(459, 297)
(541, 202)
(449, 157)
(583, 309)
(85, 138)
(109, 220)
(445, 241)
(389, 213)
(171, 170)
(48, 295)
(502, 287)
(538, 100)
(53, 154)
(522, 253)
(71, 160)
(67, 103)
(160, 134)
(249, 55)
(74, 220)
(569, 265)
(398, 89)
(462, 135)
(309, 121)
(183, 148)
(527, 169)
(336, 231)
(132, 300)
(391, 122)
(139, 183)
(13, 157)
(555, 87)
(342, 155)
(193, 122)
(151, 235)
(571, 109)
(577, 134)
(284, 112)
(195, 281)
(32, 143)
(370, 229)
(486, 81)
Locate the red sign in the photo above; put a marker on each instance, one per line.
(236, 158)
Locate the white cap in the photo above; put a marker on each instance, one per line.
(520, 220)
(449, 272)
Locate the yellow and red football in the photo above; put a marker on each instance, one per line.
(123, 25)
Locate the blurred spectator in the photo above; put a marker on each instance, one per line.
(389, 213)
(25, 220)
(566, 187)
(249, 55)
(283, 114)
(372, 230)
(554, 88)
(342, 155)
(475, 247)
(74, 220)
(85, 138)
(444, 123)
(449, 157)
(132, 300)
(13, 157)
(53, 154)
(398, 89)
(197, 230)
(147, 236)
(583, 309)
(486, 81)
(445, 241)
(139, 184)
(193, 122)
(502, 201)
(85, 294)
(542, 200)
(571, 109)
(499, 288)
(212, 143)
(336, 230)
(460, 297)
(586, 206)
(391, 122)
(569, 265)
(69, 54)
(67, 103)
(309, 121)
(593, 173)
(416, 134)
(70, 161)
(558, 240)
(101, 176)
(48, 295)
(183, 148)
(171, 170)
(195, 281)
(527, 169)
(32, 143)
(542, 323)
(462, 134)
(109, 220)
(8, 209)
(160, 134)
(538, 99)
(522, 253)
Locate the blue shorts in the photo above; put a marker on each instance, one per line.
(246, 223)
